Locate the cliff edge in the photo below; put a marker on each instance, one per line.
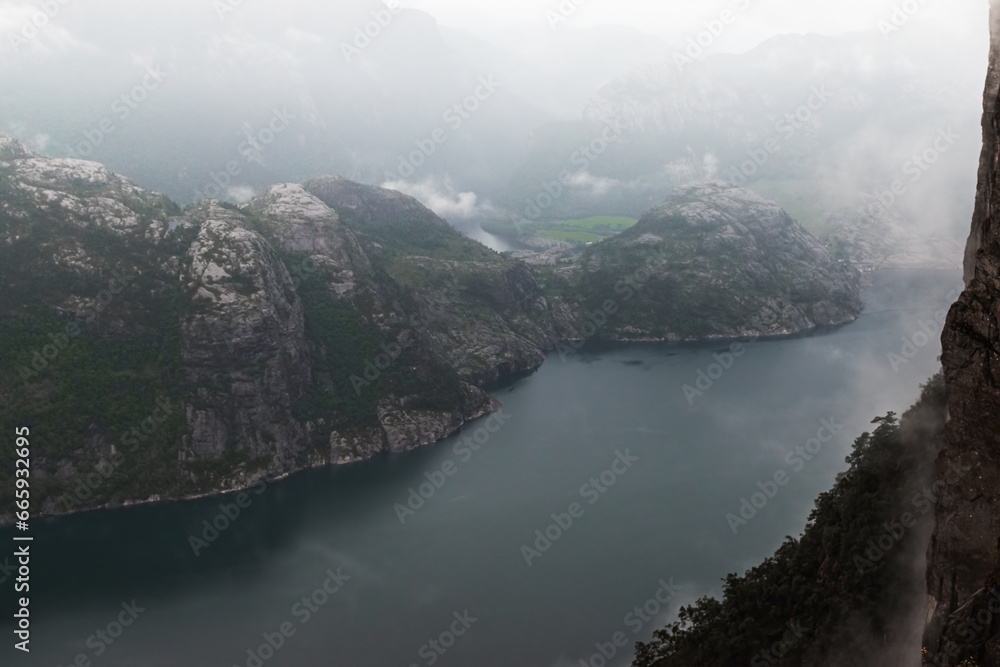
(963, 575)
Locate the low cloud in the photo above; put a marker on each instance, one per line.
(710, 165)
(441, 197)
(240, 194)
(597, 186)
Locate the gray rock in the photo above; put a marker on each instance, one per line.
(964, 557)
(716, 261)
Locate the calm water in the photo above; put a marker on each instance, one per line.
(662, 517)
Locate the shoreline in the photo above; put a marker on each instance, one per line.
(505, 382)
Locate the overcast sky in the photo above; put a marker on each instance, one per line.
(958, 21)
(233, 64)
(756, 19)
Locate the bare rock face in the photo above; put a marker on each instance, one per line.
(407, 429)
(388, 206)
(301, 223)
(964, 557)
(718, 261)
(244, 349)
(275, 340)
(12, 149)
(322, 323)
(80, 191)
(454, 278)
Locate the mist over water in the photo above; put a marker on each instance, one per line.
(615, 478)
(254, 94)
(663, 518)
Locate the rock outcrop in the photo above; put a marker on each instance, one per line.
(244, 347)
(963, 575)
(716, 261)
(280, 335)
(161, 353)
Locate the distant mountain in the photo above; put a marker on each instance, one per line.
(277, 105)
(824, 126)
(311, 97)
(530, 58)
(529, 122)
(713, 261)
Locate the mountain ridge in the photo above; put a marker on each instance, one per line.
(318, 323)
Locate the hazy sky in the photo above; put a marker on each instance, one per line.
(756, 19)
(959, 21)
(87, 52)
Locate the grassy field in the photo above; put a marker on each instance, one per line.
(586, 230)
(618, 224)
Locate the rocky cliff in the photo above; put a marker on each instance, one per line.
(715, 261)
(156, 352)
(963, 575)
